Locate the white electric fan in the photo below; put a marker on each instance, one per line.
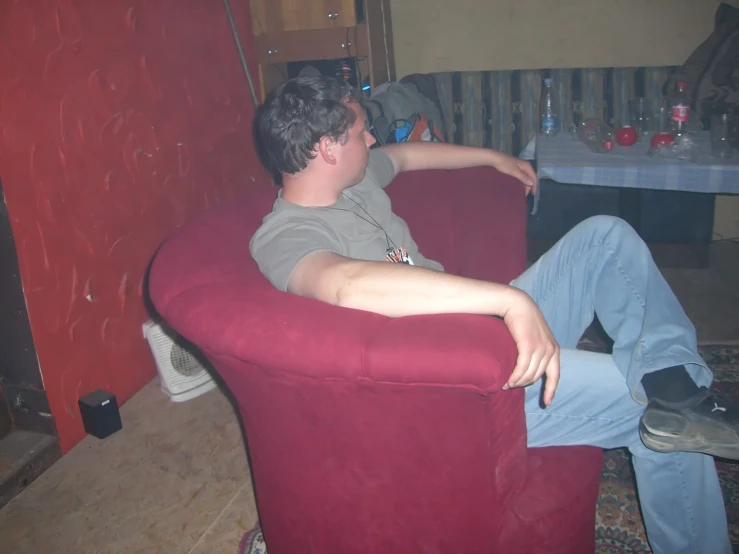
(182, 374)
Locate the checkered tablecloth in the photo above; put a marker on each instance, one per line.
(566, 160)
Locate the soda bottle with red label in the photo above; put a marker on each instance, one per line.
(680, 109)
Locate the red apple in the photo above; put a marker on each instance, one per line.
(662, 138)
(626, 136)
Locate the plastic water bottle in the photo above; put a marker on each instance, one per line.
(680, 109)
(596, 135)
(547, 113)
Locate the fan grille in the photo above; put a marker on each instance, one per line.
(182, 368)
(184, 362)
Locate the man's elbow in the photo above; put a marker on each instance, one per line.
(329, 285)
(337, 287)
(343, 296)
(340, 285)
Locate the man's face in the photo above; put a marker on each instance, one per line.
(353, 155)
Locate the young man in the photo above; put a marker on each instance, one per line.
(331, 234)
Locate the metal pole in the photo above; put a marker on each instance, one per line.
(240, 48)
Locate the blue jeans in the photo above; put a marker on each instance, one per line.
(603, 267)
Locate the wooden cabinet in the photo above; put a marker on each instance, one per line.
(276, 16)
(298, 30)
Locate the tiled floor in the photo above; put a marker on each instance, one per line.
(175, 479)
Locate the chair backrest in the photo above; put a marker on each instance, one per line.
(211, 248)
(473, 221)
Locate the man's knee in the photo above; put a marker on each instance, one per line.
(607, 222)
(611, 226)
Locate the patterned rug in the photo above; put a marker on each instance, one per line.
(253, 542)
(618, 524)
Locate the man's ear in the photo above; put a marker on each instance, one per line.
(327, 150)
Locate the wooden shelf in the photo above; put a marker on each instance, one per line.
(313, 44)
(329, 32)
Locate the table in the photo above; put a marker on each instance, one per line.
(566, 160)
(630, 171)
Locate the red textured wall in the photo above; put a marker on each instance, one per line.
(119, 120)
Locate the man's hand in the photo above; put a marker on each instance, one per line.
(538, 351)
(518, 168)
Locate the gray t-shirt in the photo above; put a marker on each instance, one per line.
(361, 225)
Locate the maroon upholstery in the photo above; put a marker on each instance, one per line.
(369, 434)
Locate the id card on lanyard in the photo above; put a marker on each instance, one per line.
(398, 255)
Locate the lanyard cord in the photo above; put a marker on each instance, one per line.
(373, 221)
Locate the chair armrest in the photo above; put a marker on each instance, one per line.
(446, 349)
(293, 334)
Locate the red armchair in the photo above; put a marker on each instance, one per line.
(369, 434)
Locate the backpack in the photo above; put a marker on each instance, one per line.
(400, 107)
(712, 70)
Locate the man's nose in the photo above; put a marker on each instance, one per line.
(369, 139)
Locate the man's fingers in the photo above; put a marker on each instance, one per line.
(530, 367)
(536, 371)
(516, 374)
(541, 370)
(531, 177)
(527, 183)
(528, 169)
(552, 374)
(525, 370)
(522, 365)
(525, 178)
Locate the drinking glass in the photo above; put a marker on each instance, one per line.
(662, 122)
(721, 125)
(640, 113)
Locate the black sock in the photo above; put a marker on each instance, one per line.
(672, 384)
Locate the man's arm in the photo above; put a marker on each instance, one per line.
(409, 156)
(399, 290)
